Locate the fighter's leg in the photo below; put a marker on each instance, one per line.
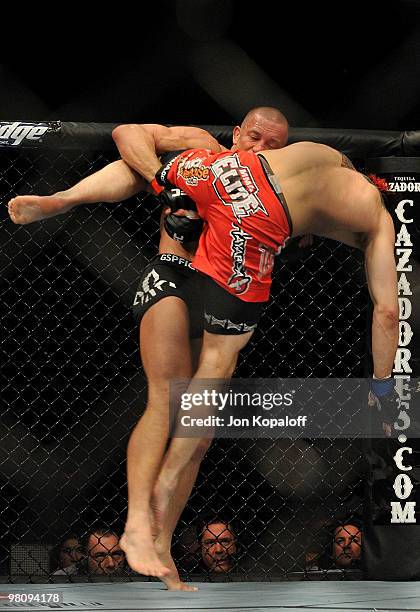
(229, 323)
(165, 355)
(189, 474)
(163, 542)
(113, 183)
(180, 496)
(217, 361)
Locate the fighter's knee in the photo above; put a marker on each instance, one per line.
(172, 364)
(220, 362)
(161, 377)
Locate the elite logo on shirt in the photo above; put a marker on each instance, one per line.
(235, 186)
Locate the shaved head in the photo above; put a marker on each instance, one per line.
(263, 128)
(270, 113)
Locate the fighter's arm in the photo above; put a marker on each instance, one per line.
(381, 276)
(140, 145)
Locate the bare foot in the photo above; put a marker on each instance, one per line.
(140, 552)
(172, 580)
(29, 208)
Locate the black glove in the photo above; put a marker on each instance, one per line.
(385, 398)
(176, 199)
(183, 229)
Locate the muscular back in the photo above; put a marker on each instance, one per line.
(302, 157)
(324, 196)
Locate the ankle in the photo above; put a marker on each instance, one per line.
(66, 199)
(137, 522)
(163, 541)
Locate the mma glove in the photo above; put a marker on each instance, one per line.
(175, 199)
(182, 229)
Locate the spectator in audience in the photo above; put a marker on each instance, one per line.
(103, 555)
(66, 553)
(218, 546)
(347, 544)
(342, 550)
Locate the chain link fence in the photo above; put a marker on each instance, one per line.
(73, 387)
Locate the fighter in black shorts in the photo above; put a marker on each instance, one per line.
(167, 304)
(170, 275)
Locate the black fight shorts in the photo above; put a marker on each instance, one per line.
(225, 313)
(170, 275)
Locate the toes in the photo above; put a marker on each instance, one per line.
(11, 210)
(183, 587)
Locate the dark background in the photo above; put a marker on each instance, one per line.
(350, 64)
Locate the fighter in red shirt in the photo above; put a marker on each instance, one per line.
(248, 221)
